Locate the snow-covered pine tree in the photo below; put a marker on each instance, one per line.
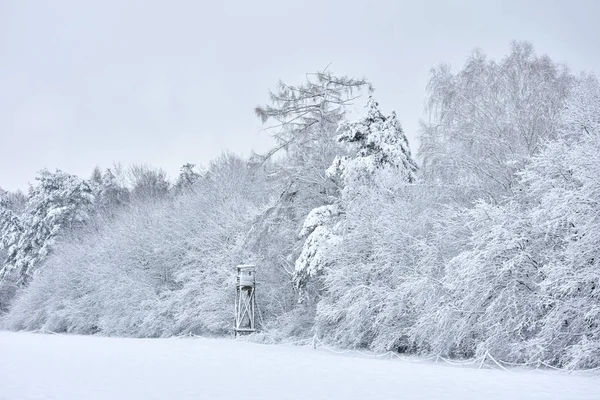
(59, 203)
(379, 149)
(10, 227)
(10, 232)
(381, 144)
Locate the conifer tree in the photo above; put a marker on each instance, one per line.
(10, 232)
(379, 146)
(59, 203)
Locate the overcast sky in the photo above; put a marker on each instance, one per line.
(86, 83)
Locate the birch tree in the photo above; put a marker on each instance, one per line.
(486, 120)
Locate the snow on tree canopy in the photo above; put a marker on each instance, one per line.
(319, 237)
(10, 231)
(318, 217)
(110, 193)
(379, 145)
(314, 256)
(60, 202)
(3, 198)
(187, 177)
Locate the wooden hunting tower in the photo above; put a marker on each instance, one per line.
(245, 304)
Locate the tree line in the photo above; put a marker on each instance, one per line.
(486, 240)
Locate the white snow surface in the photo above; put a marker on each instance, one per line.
(37, 366)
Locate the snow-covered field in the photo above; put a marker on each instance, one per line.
(35, 366)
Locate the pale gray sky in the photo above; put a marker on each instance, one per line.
(86, 83)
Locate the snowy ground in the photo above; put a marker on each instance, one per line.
(34, 366)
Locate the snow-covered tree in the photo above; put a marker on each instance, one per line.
(10, 232)
(188, 176)
(379, 148)
(173, 258)
(524, 287)
(491, 302)
(59, 203)
(492, 248)
(381, 145)
(373, 286)
(489, 118)
(303, 120)
(305, 113)
(147, 183)
(110, 193)
(564, 182)
(14, 201)
(96, 177)
(363, 294)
